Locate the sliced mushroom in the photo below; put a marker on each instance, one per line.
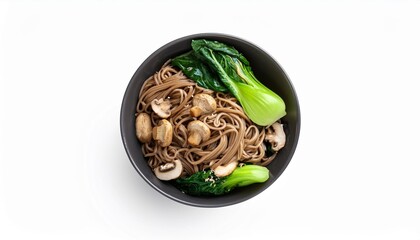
(222, 171)
(161, 107)
(197, 132)
(162, 133)
(144, 127)
(169, 171)
(202, 104)
(276, 136)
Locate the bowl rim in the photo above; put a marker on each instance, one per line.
(158, 52)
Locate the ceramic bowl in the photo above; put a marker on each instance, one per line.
(267, 71)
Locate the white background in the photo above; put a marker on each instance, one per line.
(64, 67)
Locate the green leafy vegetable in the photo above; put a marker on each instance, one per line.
(260, 104)
(219, 67)
(205, 183)
(198, 71)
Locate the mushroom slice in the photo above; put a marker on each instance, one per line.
(197, 132)
(223, 171)
(169, 171)
(144, 127)
(163, 132)
(203, 104)
(276, 136)
(161, 107)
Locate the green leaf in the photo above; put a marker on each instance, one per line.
(198, 71)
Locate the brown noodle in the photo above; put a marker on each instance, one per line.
(233, 136)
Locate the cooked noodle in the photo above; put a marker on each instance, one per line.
(233, 136)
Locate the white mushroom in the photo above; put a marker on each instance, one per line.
(276, 136)
(222, 171)
(197, 132)
(144, 127)
(168, 171)
(203, 104)
(163, 132)
(161, 107)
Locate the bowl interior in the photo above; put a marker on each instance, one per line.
(266, 69)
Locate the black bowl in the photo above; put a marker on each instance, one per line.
(266, 69)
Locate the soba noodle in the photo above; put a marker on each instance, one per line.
(233, 136)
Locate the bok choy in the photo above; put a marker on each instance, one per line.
(228, 68)
(206, 183)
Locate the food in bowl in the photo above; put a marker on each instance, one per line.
(206, 123)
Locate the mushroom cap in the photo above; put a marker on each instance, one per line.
(276, 138)
(161, 107)
(144, 127)
(198, 132)
(169, 171)
(163, 132)
(223, 171)
(203, 103)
